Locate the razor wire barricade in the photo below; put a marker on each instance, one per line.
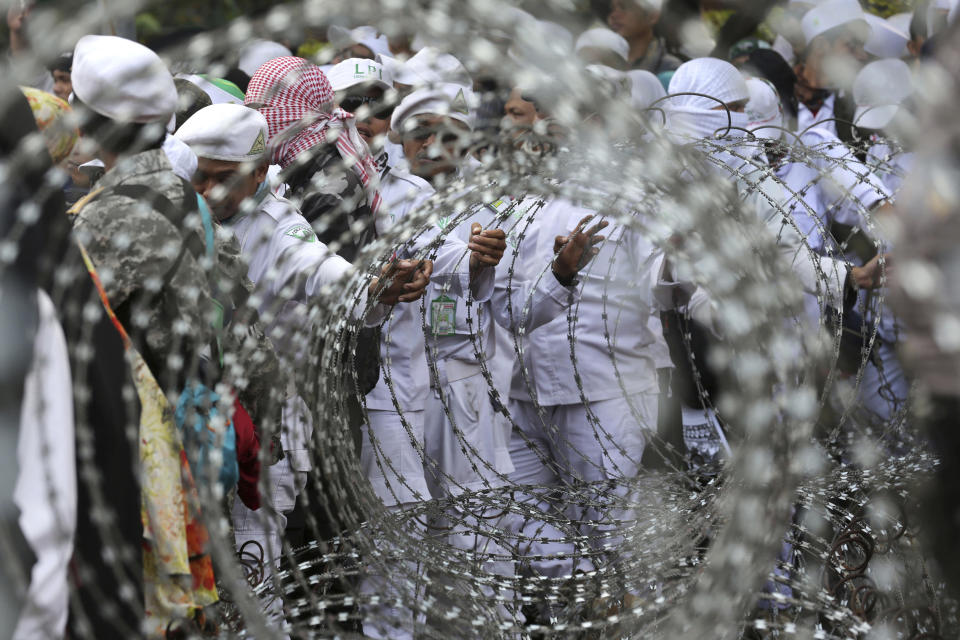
(800, 527)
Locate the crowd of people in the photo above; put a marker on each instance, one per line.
(225, 287)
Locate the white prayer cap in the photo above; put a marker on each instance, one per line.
(901, 22)
(830, 15)
(431, 66)
(885, 40)
(341, 38)
(782, 46)
(764, 110)
(217, 95)
(256, 53)
(227, 132)
(645, 88)
(710, 76)
(603, 38)
(122, 80)
(878, 91)
(450, 100)
(354, 71)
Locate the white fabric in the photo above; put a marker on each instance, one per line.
(390, 460)
(823, 118)
(764, 110)
(182, 158)
(461, 446)
(878, 91)
(603, 38)
(226, 132)
(892, 168)
(782, 46)
(46, 486)
(901, 22)
(256, 53)
(430, 66)
(885, 41)
(289, 266)
(626, 270)
(216, 94)
(698, 116)
(354, 71)
(580, 443)
(122, 80)
(645, 88)
(449, 100)
(829, 15)
(370, 37)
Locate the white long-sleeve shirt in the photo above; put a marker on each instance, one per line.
(290, 267)
(616, 352)
(829, 185)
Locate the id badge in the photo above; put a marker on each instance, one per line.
(443, 316)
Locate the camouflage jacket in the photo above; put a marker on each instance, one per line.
(165, 297)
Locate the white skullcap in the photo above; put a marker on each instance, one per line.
(122, 80)
(256, 53)
(830, 15)
(450, 100)
(430, 66)
(878, 90)
(782, 46)
(901, 22)
(217, 95)
(603, 38)
(645, 88)
(227, 132)
(341, 38)
(764, 110)
(354, 71)
(885, 40)
(710, 76)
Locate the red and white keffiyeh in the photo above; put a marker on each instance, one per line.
(297, 100)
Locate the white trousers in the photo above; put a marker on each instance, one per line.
(280, 486)
(465, 445)
(569, 447)
(467, 451)
(390, 459)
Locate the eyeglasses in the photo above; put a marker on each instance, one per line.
(378, 110)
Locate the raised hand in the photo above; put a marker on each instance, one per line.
(574, 251)
(486, 247)
(401, 281)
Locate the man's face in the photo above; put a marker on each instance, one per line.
(225, 185)
(62, 86)
(433, 145)
(371, 102)
(518, 111)
(630, 19)
(833, 61)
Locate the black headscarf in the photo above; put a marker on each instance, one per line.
(767, 63)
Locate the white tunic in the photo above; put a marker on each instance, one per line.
(46, 488)
(289, 267)
(824, 116)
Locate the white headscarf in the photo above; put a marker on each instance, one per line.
(697, 116)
